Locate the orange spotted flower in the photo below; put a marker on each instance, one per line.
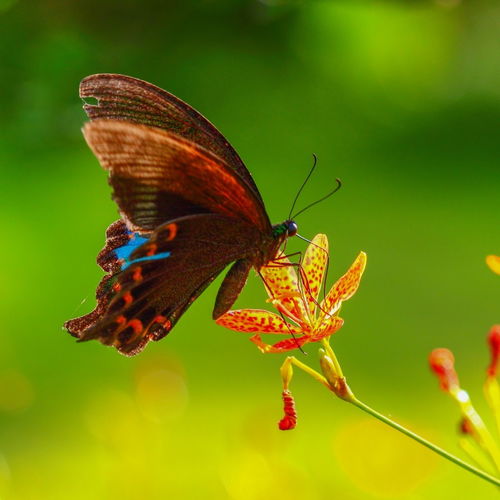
(304, 317)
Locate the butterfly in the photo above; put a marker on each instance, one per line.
(188, 205)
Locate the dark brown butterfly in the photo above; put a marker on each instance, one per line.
(188, 206)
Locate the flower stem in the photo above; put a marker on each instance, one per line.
(424, 442)
(331, 354)
(492, 393)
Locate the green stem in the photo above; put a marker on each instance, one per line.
(424, 442)
(331, 354)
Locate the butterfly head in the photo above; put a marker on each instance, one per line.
(291, 227)
(287, 228)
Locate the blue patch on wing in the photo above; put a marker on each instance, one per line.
(124, 252)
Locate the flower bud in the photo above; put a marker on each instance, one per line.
(328, 368)
(289, 420)
(286, 371)
(466, 426)
(494, 343)
(442, 364)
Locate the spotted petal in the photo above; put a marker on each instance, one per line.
(282, 346)
(327, 328)
(493, 262)
(343, 289)
(256, 320)
(282, 286)
(313, 267)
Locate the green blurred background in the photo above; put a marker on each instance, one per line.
(399, 100)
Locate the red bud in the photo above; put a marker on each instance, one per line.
(442, 364)
(289, 421)
(494, 342)
(466, 426)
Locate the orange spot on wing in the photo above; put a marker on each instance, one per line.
(163, 321)
(137, 276)
(127, 298)
(172, 229)
(152, 247)
(136, 325)
(121, 319)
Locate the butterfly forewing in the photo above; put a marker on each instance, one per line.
(125, 98)
(157, 174)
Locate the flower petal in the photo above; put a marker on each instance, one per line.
(327, 328)
(282, 286)
(256, 320)
(493, 262)
(313, 267)
(344, 288)
(282, 346)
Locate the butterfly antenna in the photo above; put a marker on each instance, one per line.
(337, 187)
(304, 239)
(303, 184)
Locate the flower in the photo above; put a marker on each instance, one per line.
(493, 262)
(297, 300)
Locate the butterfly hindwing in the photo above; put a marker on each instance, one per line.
(122, 97)
(151, 294)
(157, 176)
(117, 235)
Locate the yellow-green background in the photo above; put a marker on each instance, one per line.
(399, 100)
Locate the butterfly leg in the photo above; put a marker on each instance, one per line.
(231, 286)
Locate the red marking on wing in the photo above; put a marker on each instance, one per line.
(151, 249)
(121, 320)
(136, 325)
(137, 276)
(127, 298)
(163, 321)
(172, 228)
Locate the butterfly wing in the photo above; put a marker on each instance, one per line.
(145, 300)
(125, 98)
(117, 236)
(158, 175)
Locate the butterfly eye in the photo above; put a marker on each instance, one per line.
(291, 228)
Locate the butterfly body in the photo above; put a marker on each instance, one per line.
(188, 206)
